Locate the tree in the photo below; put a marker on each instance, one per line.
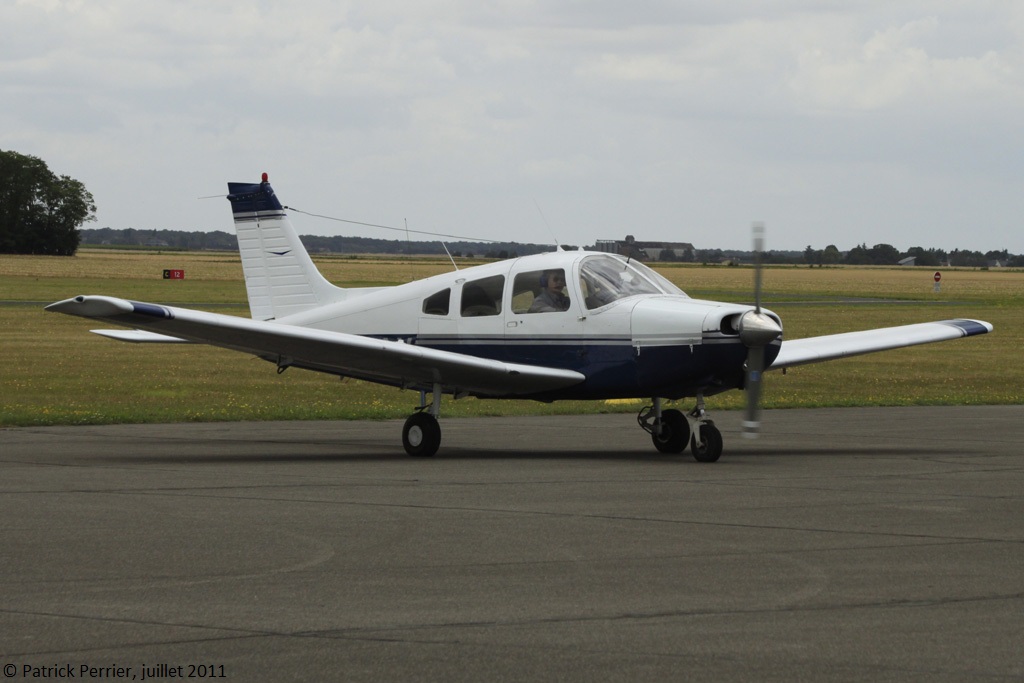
(879, 255)
(966, 257)
(812, 256)
(830, 255)
(884, 255)
(858, 256)
(39, 211)
(1002, 257)
(927, 257)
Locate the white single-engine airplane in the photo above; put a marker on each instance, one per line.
(561, 325)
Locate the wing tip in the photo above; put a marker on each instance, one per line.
(91, 306)
(970, 327)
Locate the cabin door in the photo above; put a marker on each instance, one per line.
(543, 324)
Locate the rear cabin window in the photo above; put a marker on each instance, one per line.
(437, 304)
(482, 297)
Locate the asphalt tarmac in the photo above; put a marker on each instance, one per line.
(852, 544)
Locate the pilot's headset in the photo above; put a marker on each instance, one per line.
(544, 278)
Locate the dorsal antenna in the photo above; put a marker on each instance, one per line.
(558, 245)
(449, 254)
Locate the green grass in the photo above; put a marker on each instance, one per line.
(52, 371)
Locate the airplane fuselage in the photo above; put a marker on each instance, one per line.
(629, 331)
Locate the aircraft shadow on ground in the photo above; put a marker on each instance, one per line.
(386, 453)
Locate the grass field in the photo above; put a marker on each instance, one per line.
(55, 372)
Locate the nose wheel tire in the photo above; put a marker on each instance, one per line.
(709, 447)
(421, 435)
(675, 432)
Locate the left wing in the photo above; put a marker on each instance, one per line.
(833, 346)
(351, 355)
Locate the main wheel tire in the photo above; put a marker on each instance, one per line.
(675, 432)
(421, 435)
(709, 449)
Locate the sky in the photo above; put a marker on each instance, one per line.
(897, 121)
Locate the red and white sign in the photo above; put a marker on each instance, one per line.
(174, 274)
(938, 276)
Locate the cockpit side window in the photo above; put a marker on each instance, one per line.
(540, 291)
(437, 304)
(482, 297)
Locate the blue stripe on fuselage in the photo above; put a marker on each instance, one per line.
(616, 368)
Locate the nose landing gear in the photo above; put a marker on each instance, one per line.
(670, 430)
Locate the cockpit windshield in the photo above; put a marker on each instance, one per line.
(657, 278)
(604, 279)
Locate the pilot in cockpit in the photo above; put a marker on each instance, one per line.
(552, 296)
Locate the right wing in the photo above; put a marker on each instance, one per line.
(833, 346)
(377, 360)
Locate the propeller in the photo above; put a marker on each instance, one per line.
(756, 330)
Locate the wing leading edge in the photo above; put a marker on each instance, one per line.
(833, 346)
(378, 360)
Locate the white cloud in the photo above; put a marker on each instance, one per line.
(654, 115)
(892, 68)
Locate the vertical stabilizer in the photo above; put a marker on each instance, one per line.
(280, 278)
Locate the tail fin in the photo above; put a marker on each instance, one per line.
(280, 278)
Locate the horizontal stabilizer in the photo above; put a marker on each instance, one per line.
(140, 337)
(830, 347)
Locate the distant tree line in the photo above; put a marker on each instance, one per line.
(860, 255)
(339, 244)
(162, 239)
(886, 254)
(880, 254)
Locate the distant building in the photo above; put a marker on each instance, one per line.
(909, 261)
(647, 251)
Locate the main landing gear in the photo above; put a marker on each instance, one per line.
(421, 434)
(670, 430)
